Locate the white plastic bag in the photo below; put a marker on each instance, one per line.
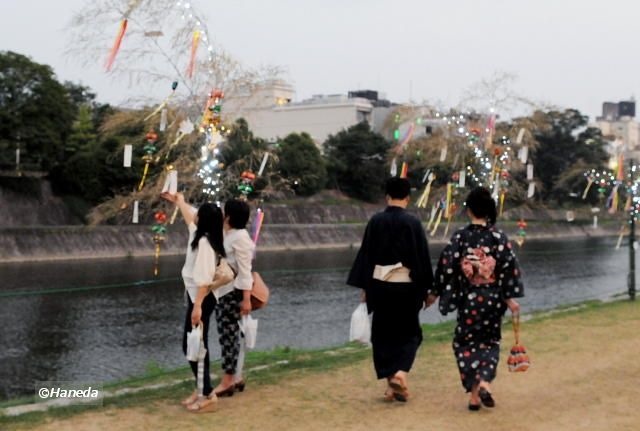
(360, 325)
(249, 327)
(194, 340)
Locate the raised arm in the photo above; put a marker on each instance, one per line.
(185, 209)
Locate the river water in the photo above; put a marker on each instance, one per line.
(105, 320)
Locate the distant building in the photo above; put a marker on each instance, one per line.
(271, 114)
(619, 126)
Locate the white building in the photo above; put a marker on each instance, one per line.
(271, 114)
(618, 124)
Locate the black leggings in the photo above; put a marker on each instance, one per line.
(208, 304)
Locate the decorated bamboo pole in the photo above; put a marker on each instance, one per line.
(632, 241)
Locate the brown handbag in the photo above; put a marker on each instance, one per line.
(259, 292)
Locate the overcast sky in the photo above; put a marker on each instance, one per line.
(572, 53)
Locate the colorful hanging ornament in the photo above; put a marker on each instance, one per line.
(521, 235)
(246, 183)
(212, 114)
(149, 151)
(159, 230)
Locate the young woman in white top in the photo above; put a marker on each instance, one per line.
(234, 299)
(205, 245)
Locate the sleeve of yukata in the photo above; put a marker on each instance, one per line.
(362, 271)
(447, 278)
(508, 274)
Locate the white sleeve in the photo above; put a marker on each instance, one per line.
(243, 250)
(204, 267)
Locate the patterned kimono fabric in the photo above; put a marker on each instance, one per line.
(476, 272)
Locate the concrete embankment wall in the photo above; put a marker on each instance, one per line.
(79, 242)
(38, 226)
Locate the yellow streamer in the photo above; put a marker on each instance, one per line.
(586, 190)
(424, 198)
(144, 176)
(447, 208)
(435, 228)
(446, 229)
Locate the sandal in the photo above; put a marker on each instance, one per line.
(400, 391)
(388, 395)
(190, 399)
(206, 404)
(486, 398)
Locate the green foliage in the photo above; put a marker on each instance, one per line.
(94, 169)
(240, 143)
(356, 162)
(83, 133)
(566, 146)
(301, 164)
(35, 111)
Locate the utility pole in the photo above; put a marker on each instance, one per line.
(632, 242)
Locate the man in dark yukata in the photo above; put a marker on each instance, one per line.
(393, 269)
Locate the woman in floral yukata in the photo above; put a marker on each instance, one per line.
(478, 275)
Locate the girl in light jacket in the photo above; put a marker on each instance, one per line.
(234, 299)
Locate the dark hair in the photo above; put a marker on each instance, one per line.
(238, 212)
(210, 227)
(397, 188)
(482, 205)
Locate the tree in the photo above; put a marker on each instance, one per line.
(301, 163)
(240, 143)
(83, 133)
(35, 110)
(565, 142)
(356, 162)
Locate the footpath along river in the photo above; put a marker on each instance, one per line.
(105, 320)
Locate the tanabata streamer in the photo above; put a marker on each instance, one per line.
(405, 170)
(128, 153)
(121, 32)
(263, 164)
(116, 44)
(195, 41)
(136, 212)
(164, 103)
(407, 136)
(257, 226)
(424, 198)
